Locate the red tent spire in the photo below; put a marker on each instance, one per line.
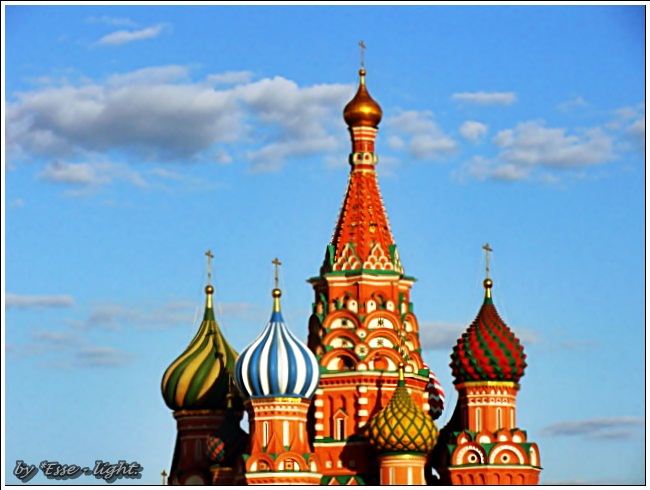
(362, 238)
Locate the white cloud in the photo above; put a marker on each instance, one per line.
(155, 75)
(509, 173)
(440, 335)
(112, 21)
(604, 428)
(636, 131)
(123, 37)
(157, 114)
(110, 316)
(231, 78)
(101, 356)
(90, 175)
(572, 104)
(17, 203)
(424, 138)
(54, 301)
(480, 168)
(473, 130)
(533, 144)
(395, 142)
(486, 98)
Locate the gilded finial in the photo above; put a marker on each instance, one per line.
(487, 283)
(209, 290)
(276, 292)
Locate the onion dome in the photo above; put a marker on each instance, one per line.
(362, 110)
(402, 426)
(436, 396)
(199, 378)
(488, 350)
(277, 364)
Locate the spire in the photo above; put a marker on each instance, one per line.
(276, 293)
(487, 283)
(209, 290)
(362, 238)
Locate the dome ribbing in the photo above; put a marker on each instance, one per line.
(488, 350)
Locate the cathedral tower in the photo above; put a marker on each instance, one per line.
(482, 443)
(362, 310)
(196, 386)
(277, 374)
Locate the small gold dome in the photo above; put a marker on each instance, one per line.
(362, 110)
(402, 426)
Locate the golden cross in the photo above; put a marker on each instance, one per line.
(210, 257)
(487, 249)
(277, 263)
(363, 47)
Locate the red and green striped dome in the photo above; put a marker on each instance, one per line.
(488, 350)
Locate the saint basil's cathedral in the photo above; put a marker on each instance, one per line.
(356, 404)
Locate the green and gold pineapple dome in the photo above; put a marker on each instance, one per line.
(402, 426)
(198, 379)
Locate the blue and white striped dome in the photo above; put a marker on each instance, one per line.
(277, 364)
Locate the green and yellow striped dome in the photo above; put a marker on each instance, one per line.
(402, 426)
(199, 378)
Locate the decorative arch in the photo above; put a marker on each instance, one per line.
(388, 334)
(377, 259)
(259, 462)
(372, 320)
(291, 461)
(412, 341)
(341, 319)
(507, 454)
(339, 360)
(348, 260)
(335, 338)
(484, 437)
(534, 456)
(391, 356)
(469, 453)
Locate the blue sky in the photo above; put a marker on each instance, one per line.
(136, 138)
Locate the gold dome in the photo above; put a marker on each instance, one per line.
(362, 110)
(402, 426)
